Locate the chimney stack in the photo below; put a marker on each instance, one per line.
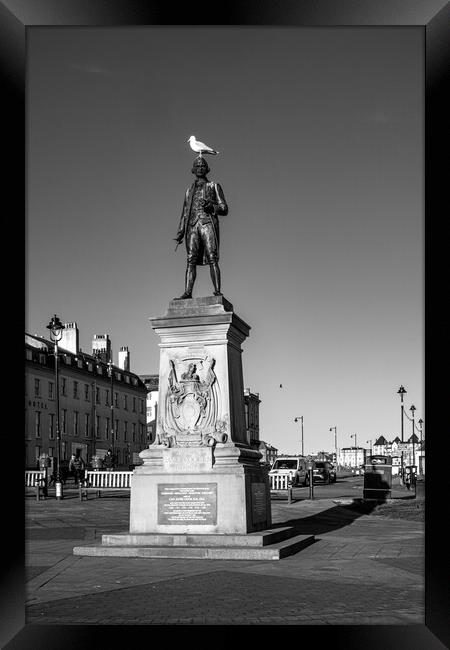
(70, 338)
(124, 358)
(101, 345)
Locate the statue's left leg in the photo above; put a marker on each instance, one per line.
(215, 277)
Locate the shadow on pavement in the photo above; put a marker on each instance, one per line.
(330, 519)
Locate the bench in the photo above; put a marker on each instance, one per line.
(104, 481)
(36, 480)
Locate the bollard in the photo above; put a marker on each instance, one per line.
(311, 483)
(289, 495)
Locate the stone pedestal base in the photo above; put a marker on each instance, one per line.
(225, 491)
(269, 545)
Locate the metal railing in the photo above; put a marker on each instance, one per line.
(280, 482)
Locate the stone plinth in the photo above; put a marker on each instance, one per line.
(200, 476)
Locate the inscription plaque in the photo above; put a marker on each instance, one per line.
(259, 502)
(182, 459)
(195, 503)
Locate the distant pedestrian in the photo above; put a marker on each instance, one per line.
(408, 479)
(77, 465)
(109, 460)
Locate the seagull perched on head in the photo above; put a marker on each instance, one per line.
(200, 147)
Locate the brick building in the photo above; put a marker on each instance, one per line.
(251, 406)
(85, 390)
(151, 383)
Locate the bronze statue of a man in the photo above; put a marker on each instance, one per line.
(199, 226)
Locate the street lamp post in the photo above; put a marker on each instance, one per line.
(401, 391)
(421, 448)
(94, 417)
(56, 330)
(300, 417)
(412, 409)
(335, 443)
(111, 375)
(353, 435)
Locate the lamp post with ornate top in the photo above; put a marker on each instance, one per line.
(401, 391)
(56, 330)
(420, 423)
(111, 375)
(412, 409)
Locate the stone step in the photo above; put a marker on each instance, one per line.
(256, 539)
(272, 552)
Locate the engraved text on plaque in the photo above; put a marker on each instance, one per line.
(195, 503)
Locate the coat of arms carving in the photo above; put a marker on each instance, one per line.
(191, 407)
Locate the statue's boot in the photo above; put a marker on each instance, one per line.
(191, 272)
(215, 277)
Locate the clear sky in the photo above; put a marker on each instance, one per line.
(321, 141)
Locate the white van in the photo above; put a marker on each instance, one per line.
(294, 467)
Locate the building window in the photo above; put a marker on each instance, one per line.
(106, 397)
(86, 392)
(97, 395)
(37, 452)
(141, 406)
(51, 425)
(63, 386)
(64, 450)
(125, 402)
(51, 451)
(75, 423)
(134, 432)
(107, 429)
(50, 390)
(37, 389)
(116, 430)
(125, 431)
(149, 413)
(37, 424)
(134, 405)
(86, 425)
(63, 420)
(116, 399)
(75, 389)
(97, 426)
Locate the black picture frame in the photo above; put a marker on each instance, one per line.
(16, 17)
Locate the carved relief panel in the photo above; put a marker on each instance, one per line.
(191, 406)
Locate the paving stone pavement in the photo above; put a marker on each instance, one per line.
(361, 570)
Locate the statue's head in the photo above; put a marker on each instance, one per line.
(200, 167)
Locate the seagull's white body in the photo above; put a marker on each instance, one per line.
(200, 147)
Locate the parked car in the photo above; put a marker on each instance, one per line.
(324, 472)
(292, 466)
